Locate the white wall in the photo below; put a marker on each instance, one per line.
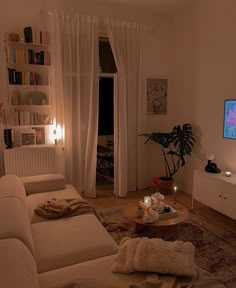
(156, 41)
(205, 69)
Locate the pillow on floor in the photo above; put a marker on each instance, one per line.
(155, 255)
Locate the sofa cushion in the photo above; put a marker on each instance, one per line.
(43, 183)
(11, 186)
(89, 274)
(32, 201)
(14, 221)
(17, 266)
(71, 240)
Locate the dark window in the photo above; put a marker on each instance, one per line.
(106, 59)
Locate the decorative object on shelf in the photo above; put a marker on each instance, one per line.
(157, 91)
(8, 138)
(227, 173)
(212, 167)
(13, 37)
(39, 135)
(28, 137)
(36, 98)
(3, 115)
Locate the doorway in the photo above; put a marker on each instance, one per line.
(105, 147)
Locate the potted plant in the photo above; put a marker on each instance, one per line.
(175, 145)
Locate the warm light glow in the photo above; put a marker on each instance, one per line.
(55, 134)
(147, 200)
(175, 188)
(58, 132)
(227, 173)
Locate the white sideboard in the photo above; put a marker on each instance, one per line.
(216, 191)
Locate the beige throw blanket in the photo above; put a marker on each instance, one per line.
(203, 279)
(173, 263)
(155, 255)
(58, 208)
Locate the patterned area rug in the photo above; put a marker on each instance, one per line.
(215, 246)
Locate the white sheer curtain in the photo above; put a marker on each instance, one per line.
(125, 42)
(76, 64)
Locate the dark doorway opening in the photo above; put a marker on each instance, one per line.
(105, 148)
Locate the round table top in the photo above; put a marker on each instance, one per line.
(182, 215)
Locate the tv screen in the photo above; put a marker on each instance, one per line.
(229, 130)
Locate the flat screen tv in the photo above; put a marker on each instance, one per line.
(229, 130)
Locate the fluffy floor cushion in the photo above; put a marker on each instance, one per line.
(155, 255)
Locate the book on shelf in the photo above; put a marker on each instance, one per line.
(28, 34)
(22, 55)
(36, 37)
(25, 78)
(24, 117)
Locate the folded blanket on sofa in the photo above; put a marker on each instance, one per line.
(58, 208)
(155, 255)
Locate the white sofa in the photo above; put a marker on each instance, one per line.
(35, 252)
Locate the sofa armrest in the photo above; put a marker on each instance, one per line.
(43, 183)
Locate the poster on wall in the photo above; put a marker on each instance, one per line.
(230, 119)
(157, 93)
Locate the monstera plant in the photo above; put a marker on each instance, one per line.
(174, 145)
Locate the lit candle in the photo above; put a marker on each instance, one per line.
(227, 173)
(147, 200)
(175, 188)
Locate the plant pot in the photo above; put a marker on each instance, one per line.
(166, 185)
(8, 138)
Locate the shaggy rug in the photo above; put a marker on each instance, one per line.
(215, 246)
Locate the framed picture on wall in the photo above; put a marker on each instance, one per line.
(39, 135)
(229, 125)
(157, 93)
(27, 137)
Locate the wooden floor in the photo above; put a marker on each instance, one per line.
(106, 198)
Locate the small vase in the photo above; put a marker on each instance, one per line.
(8, 138)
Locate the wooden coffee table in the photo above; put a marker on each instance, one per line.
(165, 228)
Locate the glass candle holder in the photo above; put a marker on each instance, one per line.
(227, 173)
(147, 200)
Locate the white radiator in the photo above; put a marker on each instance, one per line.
(29, 161)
